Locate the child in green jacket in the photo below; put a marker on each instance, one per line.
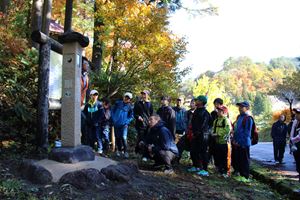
(221, 132)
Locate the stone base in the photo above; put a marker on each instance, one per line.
(72, 154)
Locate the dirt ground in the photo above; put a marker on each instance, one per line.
(148, 184)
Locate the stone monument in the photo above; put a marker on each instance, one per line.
(72, 151)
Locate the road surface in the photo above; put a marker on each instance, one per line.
(263, 152)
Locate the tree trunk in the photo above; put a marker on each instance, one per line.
(43, 82)
(97, 44)
(36, 18)
(4, 5)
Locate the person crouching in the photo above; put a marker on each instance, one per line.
(160, 145)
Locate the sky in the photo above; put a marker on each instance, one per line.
(259, 29)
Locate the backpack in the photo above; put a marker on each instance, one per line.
(254, 130)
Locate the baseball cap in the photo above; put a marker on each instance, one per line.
(128, 94)
(223, 108)
(297, 110)
(202, 98)
(145, 92)
(243, 104)
(94, 92)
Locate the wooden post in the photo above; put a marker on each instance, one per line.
(113, 139)
(43, 82)
(39, 37)
(68, 16)
(36, 18)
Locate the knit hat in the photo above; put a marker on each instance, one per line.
(202, 98)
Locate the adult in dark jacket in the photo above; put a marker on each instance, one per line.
(142, 111)
(200, 125)
(279, 134)
(181, 119)
(93, 113)
(167, 114)
(160, 144)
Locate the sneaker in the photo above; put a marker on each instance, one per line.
(225, 175)
(144, 159)
(126, 155)
(193, 169)
(242, 179)
(203, 173)
(118, 154)
(100, 151)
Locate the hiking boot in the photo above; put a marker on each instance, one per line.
(126, 155)
(193, 169)
(203, 173)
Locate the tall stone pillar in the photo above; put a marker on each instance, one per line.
(71, 150)
(70, 109)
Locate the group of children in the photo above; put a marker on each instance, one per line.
(205, 135)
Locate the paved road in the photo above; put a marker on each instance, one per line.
(263, 152)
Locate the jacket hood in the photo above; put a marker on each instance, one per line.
(159, 125)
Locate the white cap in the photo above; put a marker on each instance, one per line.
(128, 94)
(94, 92)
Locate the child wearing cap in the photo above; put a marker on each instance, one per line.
(221, 133)
(92, 111)
(122, 115)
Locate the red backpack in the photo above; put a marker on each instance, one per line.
(254, 129)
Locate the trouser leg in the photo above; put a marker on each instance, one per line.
(204, 155)
(275, 149)
(281, 150)
(118, 136)
(165, 158)
(124, 138)
(243, 161)
(105, 135)
(98, 138)
(195, 153)
(297, 160)
(181, 146)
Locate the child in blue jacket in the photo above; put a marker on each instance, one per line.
(122, 115)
